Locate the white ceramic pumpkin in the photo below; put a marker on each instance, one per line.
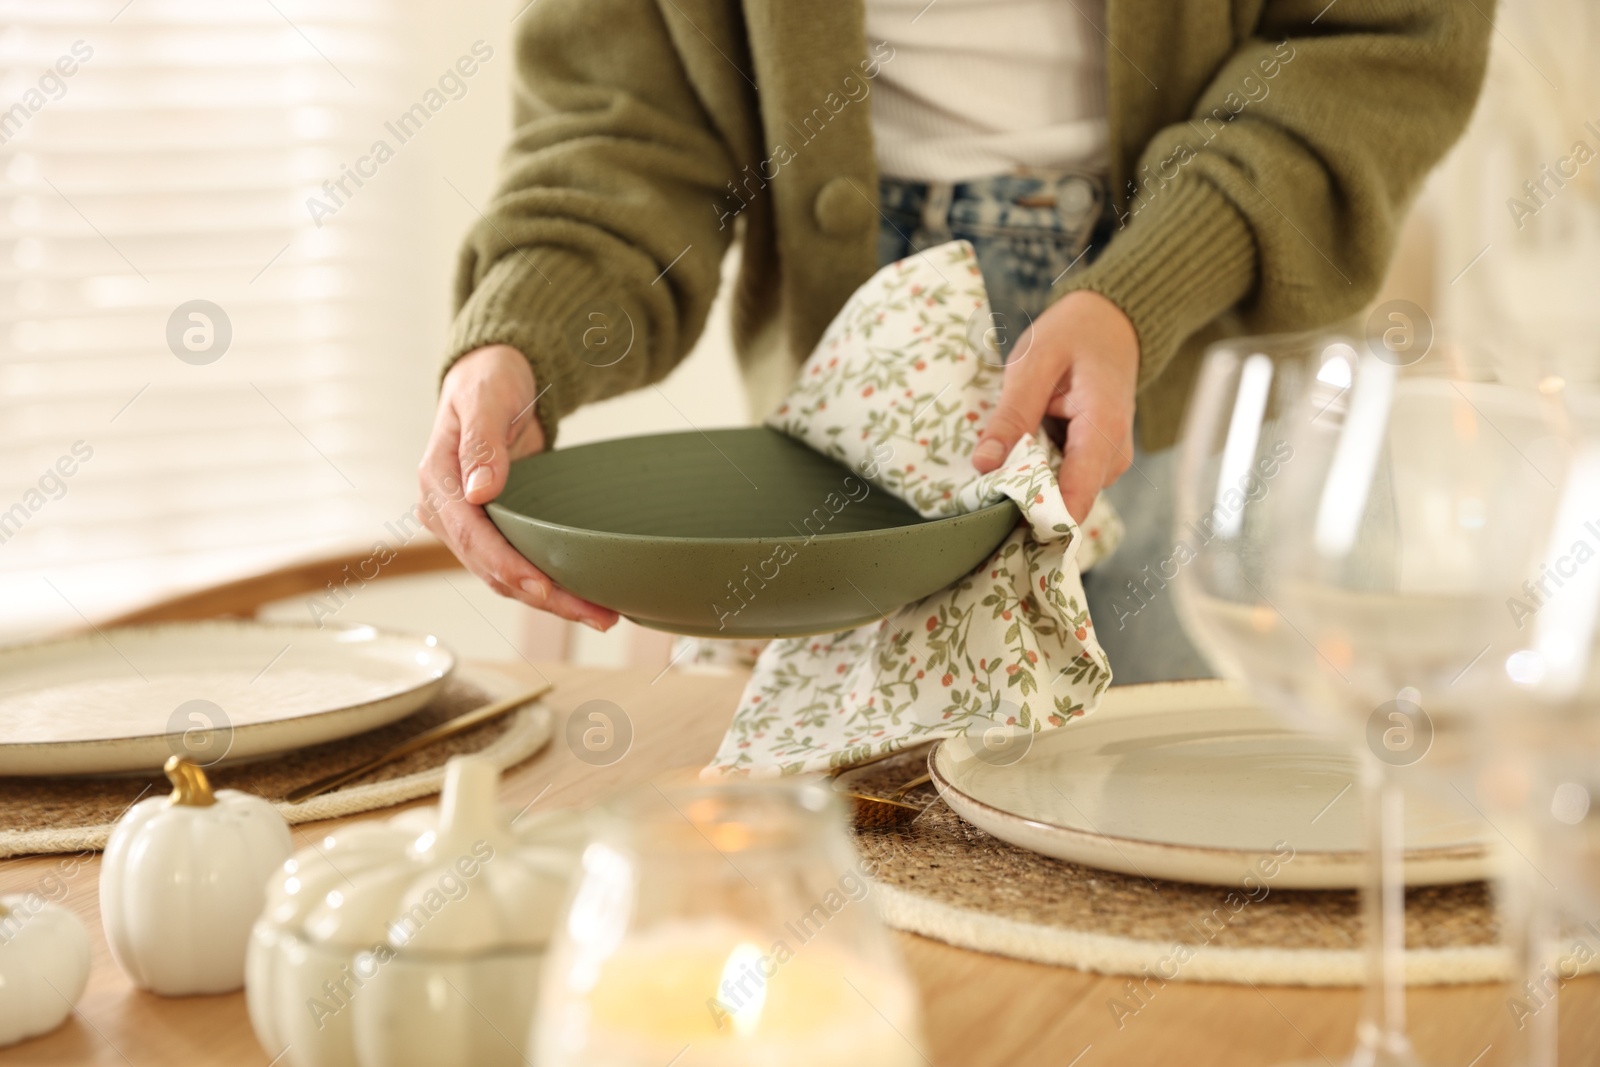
(183, 879)
(44, 964)
(416, 941)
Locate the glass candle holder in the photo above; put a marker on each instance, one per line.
(724, 924)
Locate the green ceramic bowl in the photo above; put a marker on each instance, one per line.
(732, 533)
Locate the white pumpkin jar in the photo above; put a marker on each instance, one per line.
(182, 880)
(416, 941)
(44, 965)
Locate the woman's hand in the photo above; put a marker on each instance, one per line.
(1079, 361)
(485, 420)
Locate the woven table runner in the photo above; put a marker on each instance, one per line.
(946, 879)
(74, 814)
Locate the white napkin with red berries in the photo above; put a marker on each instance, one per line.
(902, 383)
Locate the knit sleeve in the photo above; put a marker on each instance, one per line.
(600, 253)
(1282, 195)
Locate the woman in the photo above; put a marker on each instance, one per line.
(1138, 180)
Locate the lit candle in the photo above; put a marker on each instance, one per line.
(708, 994)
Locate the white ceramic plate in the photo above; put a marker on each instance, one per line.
(1190, 781)
(125, 699)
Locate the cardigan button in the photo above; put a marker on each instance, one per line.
(842, 208)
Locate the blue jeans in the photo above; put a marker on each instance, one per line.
(1029, 231)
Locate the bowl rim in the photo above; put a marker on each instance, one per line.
(494, 507)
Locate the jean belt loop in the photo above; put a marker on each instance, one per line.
(936, 207)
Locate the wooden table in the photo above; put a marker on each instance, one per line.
(979, 1010)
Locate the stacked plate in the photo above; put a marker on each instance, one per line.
(1191, 781)
(124, 700)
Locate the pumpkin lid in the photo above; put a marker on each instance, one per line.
(456, 879)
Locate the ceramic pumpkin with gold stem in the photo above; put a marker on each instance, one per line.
(183, 878)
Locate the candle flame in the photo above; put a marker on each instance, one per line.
(744, 987)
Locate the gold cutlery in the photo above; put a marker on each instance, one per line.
(448, 728)
(883, 813)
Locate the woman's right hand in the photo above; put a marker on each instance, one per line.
(486, 420)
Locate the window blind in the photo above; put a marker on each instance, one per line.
(200, 376)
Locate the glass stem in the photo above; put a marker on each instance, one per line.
(1527, 911)
(1382, 1030)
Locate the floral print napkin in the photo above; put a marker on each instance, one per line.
(899, 388)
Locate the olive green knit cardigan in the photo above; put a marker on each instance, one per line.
(1263, 153)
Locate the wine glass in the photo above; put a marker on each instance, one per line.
(724, 925)
(1356, 522)
(1541, 770)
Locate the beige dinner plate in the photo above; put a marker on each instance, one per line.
(123, 700)
(1191, 781)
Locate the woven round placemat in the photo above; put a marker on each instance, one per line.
(74, 814)
(946, 879)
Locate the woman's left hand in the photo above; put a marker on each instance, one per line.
(1079, 361)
